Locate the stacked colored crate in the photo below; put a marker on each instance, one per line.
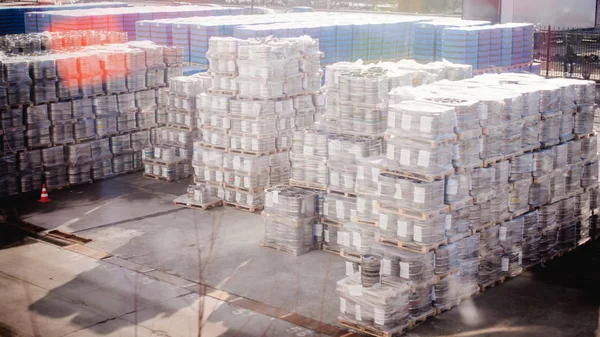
(142, 30)
(116, 23)
(343, 41)
(31, 23)
(390, 39)
(129, 26)
(506, 46)
(375, 41)
(161, 33)
(100, 22)
(423, 44)
(517, 44)
(495, 47)
(181, 38)
(460, 45)
(404, 49)
(527, 43)
(199, 35)
(360, 41)
(483, 46)
(327, 43)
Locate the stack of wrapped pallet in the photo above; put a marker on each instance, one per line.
(260, 91)
(491, 174)
(290, 216)
(110, 98)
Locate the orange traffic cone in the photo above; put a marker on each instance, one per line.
(44, 198)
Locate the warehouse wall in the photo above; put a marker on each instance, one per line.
(556, 13)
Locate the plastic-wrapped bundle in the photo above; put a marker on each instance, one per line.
(589, 174)
(548, 241)
(419, 301)
(499, 203)
(79, 154)
(467, 113)
(550, 129)
(8, 164)
(126, 122)
(467, 152)
(296, 239)
(145, 100)
(367, 175)
(468, 247)
(367, 209)
(521, 167)
(573, 152)
(584, 120)
(565, 210)
(146, 120)
(567, 123)
(511, 138)
(511, 234)
(247, 164)
(339, 208)
(519, 196)
(29, 182)
(106, 125)
(16, 70)
(422, 120)
(447, 291)
(100, 149)
(567, 235)
(55, 177)
(344, 149)
(491, 256)
(44, 91)
(53, 156)
(33, 114)
(399, 193)
(356, 239)
(105, 105)
(589, 149)
(482, 181)
(256, 144)
(77, 174)
(13, 117)
(140, 140)
(188, 104)
(18, 93)
(382, 307)
(120, 144)
(547, 216)
(260, 126)
(550, 96)
(469, 276)
(594, 197)
(251, 108)
(62, 132)
(502, 171)
(330, 238)
(29, 161)
(126, 103)
(257, 181)
(446, 259)
(84, 128)
(290, 202)
(457, 188)
(543, 162)
(539, 192)
(531, 133)
(396, 227)
(492, 142)
(361, 120)
(38, 134)
(574, 179)
(419, 157)
(342, 178)
(457, 222)
(582, 205)
(220, 139)
(560, 155)
(583, 230)
(309, 171)
(82, 108)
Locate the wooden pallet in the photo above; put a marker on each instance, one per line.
(253, 153)
(520, 212)
(243, 189)
(373, 331)
(185, 201)
(231, 74)
(341, 193)
(85, 140)
(158, 161)
(329, 250)
(309, 185)
(416, 176)
(181, 127)
(415, 214)
(334, 223)
(483, 228)
(350, 256)
(281, 249)
(486, 286)
(411, 246)
(213, 147)
(467, 169)
(243, 207)
(459, 237)
(414, 321)
(367, 223)
(589, 135)
(453, 272)
(159, 178)
(460, 204)
(223, 92)
(81, 183)
(492, 160)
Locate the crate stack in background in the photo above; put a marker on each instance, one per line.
(98, 104)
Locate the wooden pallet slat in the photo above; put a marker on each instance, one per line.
(342, 193)
(373, 331)
(309, 185)
(245, 208)
(417, 176)
(185, 201)
(415, 214)
(411, 246)
(488, 285)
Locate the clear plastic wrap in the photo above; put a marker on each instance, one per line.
(339, 208)
(540, 190)
(574, 179)
(290, 202)
(519, 196)
(589, 149)
(543, 162)
(589, 175)
(367, 209)
(493, 142)
(490, 256)
(421, 120)
(342, 178)
(458, 222)
(420, 157)
(574, 152)
(521, 167)
(396, 227)
(531, 133)
(482, 181)
(262, 144)
(584, 120)
(367, 175)
(457, 188)
(399, 193)
(446, 259)
(550, 129)
(381, 306)
(310, 172)
(296, 239)
(346, 149)
(356, 239)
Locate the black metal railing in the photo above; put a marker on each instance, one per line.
(568, 53)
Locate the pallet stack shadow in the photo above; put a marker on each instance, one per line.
(261, 90)
(482, 178)
(96, 106)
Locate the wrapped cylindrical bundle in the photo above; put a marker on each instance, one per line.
(482, 181)
(446, 259)
(490, 256)
(589, 149)
(519, 196)
(356, 239)
(458, 222)
(409, 194)
(342, 178)
(573, 152)
(530, 138)
(511, 138)
(539, 192)
(367, 175)
(567, 123)
(589, 175)
(492, 142)
(339, 208)
(550, 129)
(574, 179)
(584, 120)
(543, 162)
(367, 209)
(467, 152)
(531, 239)
(309, 171)
(457, 188)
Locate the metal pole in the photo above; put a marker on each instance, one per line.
(548, 52)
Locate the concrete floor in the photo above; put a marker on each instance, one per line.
(133, 218)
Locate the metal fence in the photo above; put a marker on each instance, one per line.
(568, 53)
